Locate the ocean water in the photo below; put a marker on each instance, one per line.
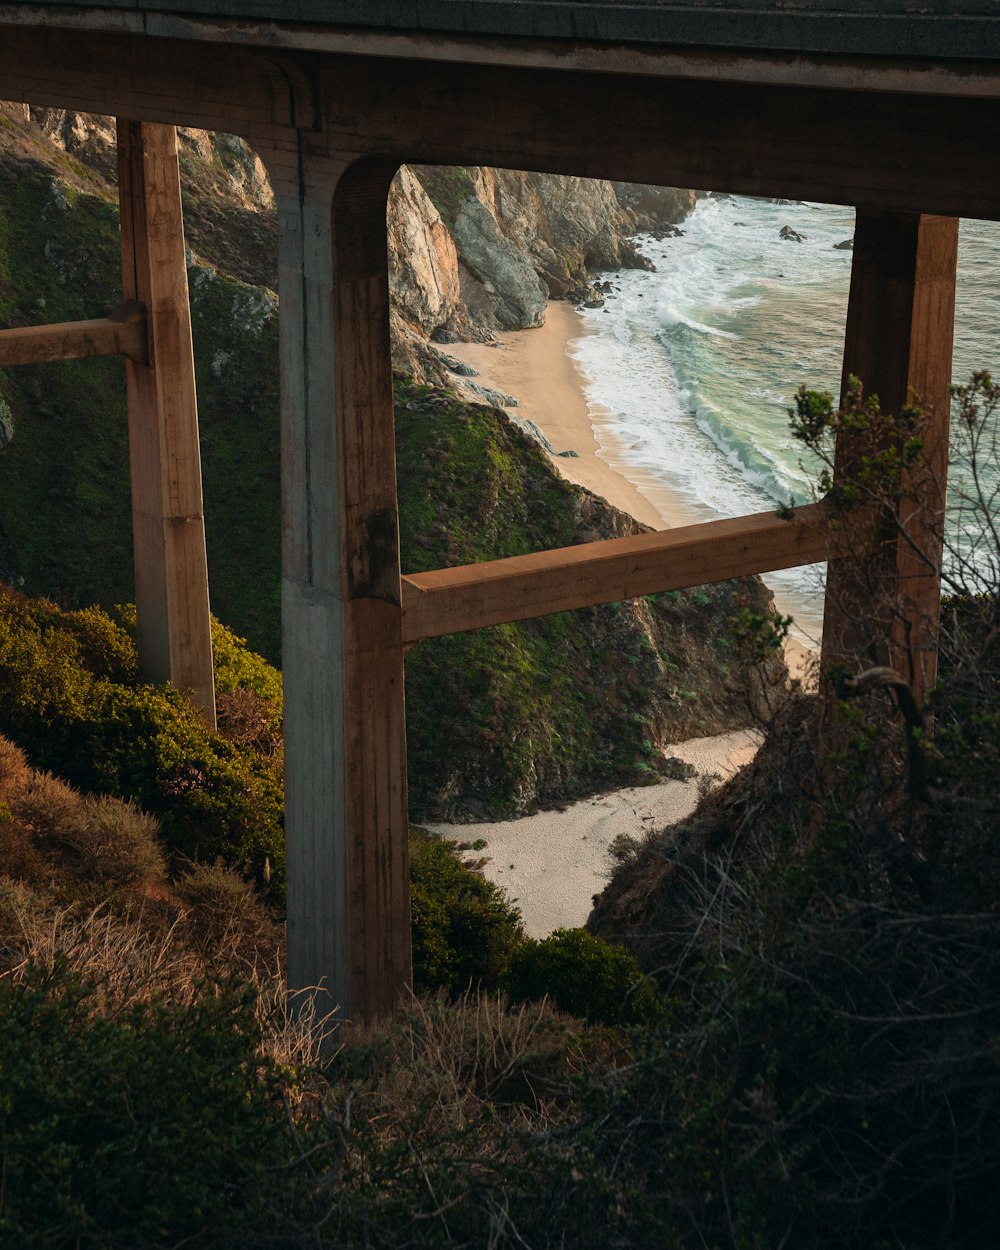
(690, 371)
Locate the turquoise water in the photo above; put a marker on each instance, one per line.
(693, 368)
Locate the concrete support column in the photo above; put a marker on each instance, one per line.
(168, 522)
(883, 593)
(345, 748)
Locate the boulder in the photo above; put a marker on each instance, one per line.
(518, 297)
(458, 366)
(486, 395)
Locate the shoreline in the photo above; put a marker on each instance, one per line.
(551, 864)
(536, 368)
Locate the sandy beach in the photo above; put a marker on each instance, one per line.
(534, 367)
(554, 862)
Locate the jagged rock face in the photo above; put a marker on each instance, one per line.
(564, 224)
(423, 261)
(470, 250)
(89, 137)
(654, 206)
(523, 238)
(506, 274)
(240, 169)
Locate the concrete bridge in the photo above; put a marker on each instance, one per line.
(881, 104)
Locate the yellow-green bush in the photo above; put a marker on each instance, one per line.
(70, 697)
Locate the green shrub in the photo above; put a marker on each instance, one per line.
(68, 698)
(144, 1127)
(466, 933)
(464, 929)
(585, 976)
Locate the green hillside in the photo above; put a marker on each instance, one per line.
(530, 713)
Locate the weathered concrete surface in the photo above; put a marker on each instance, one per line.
(938, 29)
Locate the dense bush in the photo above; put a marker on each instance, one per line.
(832, 953)
(70, 696)
(584, 976)
(827, 927)
(130, 1128)
(464, 929)
(466, 935)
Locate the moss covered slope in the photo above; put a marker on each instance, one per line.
(504, 718)
(65, 527)
(499, 720)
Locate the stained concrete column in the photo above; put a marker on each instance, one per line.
(883, 595)
(342, 656)
(168, 521)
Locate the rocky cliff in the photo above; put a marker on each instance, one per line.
(523, 238)
(471, 250)
(499, 719)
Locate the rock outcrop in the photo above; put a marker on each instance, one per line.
(654, 207)
(423, 261)
(523, 238)
(471, 250)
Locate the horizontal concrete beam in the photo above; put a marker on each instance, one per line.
(890, 28)
(448, 601)
(124, 333)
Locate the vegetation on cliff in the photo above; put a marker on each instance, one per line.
(65, 518)
(158, 1088)
(70, 696)
(531, 713)
(826, 927)
(502, 719)
(820, 1064)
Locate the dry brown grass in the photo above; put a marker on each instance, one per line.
(118, 842)
(136, 957)
(14, 768)
(47, 806)
(83, 882)
(461, 1062)
(226, 916)
(78, 847)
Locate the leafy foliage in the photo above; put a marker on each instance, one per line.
(584, 976)
(98, 1108)
(464, 929)
(467, 936)
(70, 696)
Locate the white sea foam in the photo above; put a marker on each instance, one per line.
(691, 371)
